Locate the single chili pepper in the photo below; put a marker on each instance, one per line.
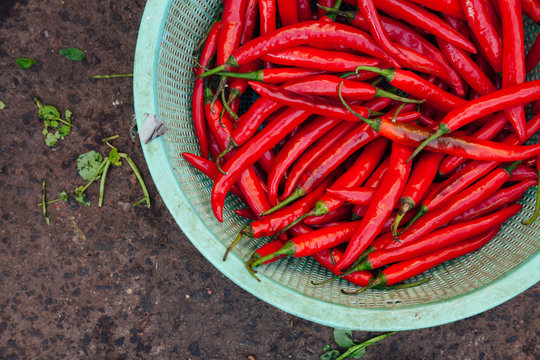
(250, 22)
(374, 180)
(231, 29)
(306, 102)
(493, 16)
(423, 19)
(251, 120)
(438, 239)
(308, 32)
(314, 152)
(513, 58)
(523, 172)
(354, 195)
(419, 88)
(312, 58)
(294, 148)
(197, 109)
(267, 161)
(382, 204)
(219, 123)
(484, 105)
(341, 213)
(420, 179)
(327, 259)
(288, 12)
(299, 229)
(403, 34)
(254, 190)
(304, 10)
(312, 243)
(369, 12)
(267, 16)
(264, 250)
(404, 270)
(484, 31)
(450, 7)
(531, 8)
(501, 198)
(486, 132)
(246, 213)
(533, 56)
(248, 154)
(275, 76)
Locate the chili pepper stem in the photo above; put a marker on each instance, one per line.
(44, 202)
(443, 129)
(296, 194)
(213, 71)
(253, 75)
(389, 74)
(219, 90)
(231, 145)
(296, 221)
(387, 94)
(405, 204)
(289, 248)
(512, 167)
(536, 207)
(356, 348)
(365, 264)
(374, 281)
(227, 108)
(250, 270)
(407, 286)
(423, 209)
(233, 244)
(375, 124)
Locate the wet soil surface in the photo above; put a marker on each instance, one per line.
(120, 282)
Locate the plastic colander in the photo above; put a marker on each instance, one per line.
(509, 264)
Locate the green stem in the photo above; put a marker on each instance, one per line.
(102, 183)
(256, 75)
(354, 349)
(536, 207)
(233, 244)
(146, 197)
(296, 221)
(96, 175)
(421, 212)
(377, 81)
(374, 124)
(297, 194)
(287, 249)
(389, 74)
(387, 94)
(227, 107)
(512, 166)
(44, 202)
(213, 71)
(404, 286)
(443, 129)
(405, 204)
(374, 281)
(110, 138)
(111, 76)
(50, 202)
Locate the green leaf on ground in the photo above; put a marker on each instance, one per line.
(81, 198)
(330, 355)
(72, 54)
(88, 164)
(64, 196)
(114, 157)
(343, 338)
(25, 63)
(48, 112)
(51, 139)
(2, 105)
(64, 130)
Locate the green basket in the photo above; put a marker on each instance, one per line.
(509, 264)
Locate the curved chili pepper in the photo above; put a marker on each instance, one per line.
(327, 258)
(312, 58)
(313, 242)
(288, 12)
(232, 24)
(354, 195)
(250, 121)
(513, 58)
(377, 175)
(246, 213)
(219, 123)
(267, 161)
(197, 107)
(421, 178)
(250, 22)
(249, 153)
(406, 269)
(267, 16)
(264, 250)
(484, 105)
(484, 31)
(304, 10)
(423, 19)
(341, 213)
(450, 7)
(275, 76)
(487, 132)
(533, 56)
(438, 239)
(382, 204)
(308, 32)
(419, 88)
(532, 9)
(501, 198)
(368, 10)
(254, 190)
(294, 148)
(523, 172)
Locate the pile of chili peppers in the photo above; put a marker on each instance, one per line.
(388, 135)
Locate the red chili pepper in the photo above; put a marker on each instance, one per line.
(246, 213)
(312, 58)
(417, 16)
(254, 190)
(327, 259)
(238, 86)
(341, 213)
(232, 25)
(249, 153)
(484, 105)
(368, 10)
(304, 10)
(327, 3)
(275, 76)
(313, 242)
(421, 178)
(294, 148)
(536, 212)
(513, 58)
(501, 198)
(532, 9)
(197, 109)
(250, 121)
(267, 160)
(354, 195)
(523, 172)
(219, 123)
(266, 249)
(376, 177)
(288, 12)
(382, 204)
(484, 31)
(406, 269)
(533, 56)
(450, 7)
(267, 16)
(419, 88)
(308, 32)
(487, 132)
(250, 22)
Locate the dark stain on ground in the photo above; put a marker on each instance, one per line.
(119, 282)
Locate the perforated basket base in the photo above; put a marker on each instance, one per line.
(163, 81)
